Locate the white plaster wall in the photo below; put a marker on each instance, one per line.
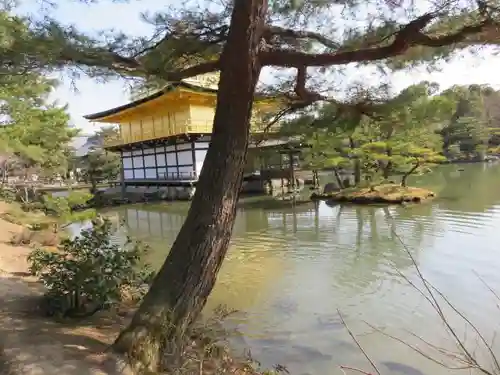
(144, 167)
(161, 172)
(128, 175)
(149, 161)
(200, 158)
(200, 154)
(138, 162)
(151, 173)
(139, 173)
(201, 144)
(127, 163)
(185, 157)
(160, 158)
(171, 159)
(184, 146)
(185, 172)
(172, 172)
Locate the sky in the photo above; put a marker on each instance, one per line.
(93, 97)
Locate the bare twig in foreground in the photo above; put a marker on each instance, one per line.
(497, 297)
(354, 369)
(359, 346)
(431, 296)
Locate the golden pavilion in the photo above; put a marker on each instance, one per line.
(164, 136)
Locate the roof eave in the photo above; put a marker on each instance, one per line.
(113, 111)
(135, 103)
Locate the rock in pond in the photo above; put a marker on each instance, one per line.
(401, 368)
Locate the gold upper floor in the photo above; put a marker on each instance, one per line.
(180, 109)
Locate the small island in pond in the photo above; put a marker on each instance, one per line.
(387, 194)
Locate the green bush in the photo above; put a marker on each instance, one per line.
(69, 209)
(56, 206)
(7, 195)
(88, 272)
(32, 206)
(78, 199)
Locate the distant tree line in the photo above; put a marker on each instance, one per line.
(382, 135)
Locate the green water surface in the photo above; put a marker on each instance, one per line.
(290, 268)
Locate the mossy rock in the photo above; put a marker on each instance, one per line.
(382, 194)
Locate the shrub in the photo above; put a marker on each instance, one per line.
(78, 199)
(88, 272)
(56, 206)
(69, 209)
(7, 195)
(32, 206)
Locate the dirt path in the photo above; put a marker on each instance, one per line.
(33, 345)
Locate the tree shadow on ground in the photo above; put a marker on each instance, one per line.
(36, 345)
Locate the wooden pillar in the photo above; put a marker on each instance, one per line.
(316, 216)
(292, 170)
(123, 189)
(193, 159)
(281, 170)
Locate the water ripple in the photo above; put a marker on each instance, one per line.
(289, 270)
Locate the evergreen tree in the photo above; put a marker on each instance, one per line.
(35, 133)
(101, 165)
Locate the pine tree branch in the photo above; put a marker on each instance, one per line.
(202, 68)
(130, 65)
(271, 31)
(409, 35)
(304, 98)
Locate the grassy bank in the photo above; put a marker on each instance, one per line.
(42, 220)
(382, 194)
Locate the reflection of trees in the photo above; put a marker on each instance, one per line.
(359, 240)
(253, 263)
(465, 187)
(376, 247)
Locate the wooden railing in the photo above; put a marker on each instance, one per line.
(177, 176)
(194, 127)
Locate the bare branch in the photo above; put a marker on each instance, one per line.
(271, 31)
(409, 36)
(419, 351)
(203, 68)
(431, 297)
(354, 369)
(358, 344)
(281, 114)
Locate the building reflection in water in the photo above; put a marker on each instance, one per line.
(256, 259)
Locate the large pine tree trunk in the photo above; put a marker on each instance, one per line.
(188, 275)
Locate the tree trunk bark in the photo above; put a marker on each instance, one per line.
(388, 167)
(357, 164)
(93, 185)
(183, 284)
(338, 178)
(407, 174)
(315, 179)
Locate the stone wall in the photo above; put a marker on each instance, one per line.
(137, 194)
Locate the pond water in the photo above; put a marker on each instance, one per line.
(291, 269)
